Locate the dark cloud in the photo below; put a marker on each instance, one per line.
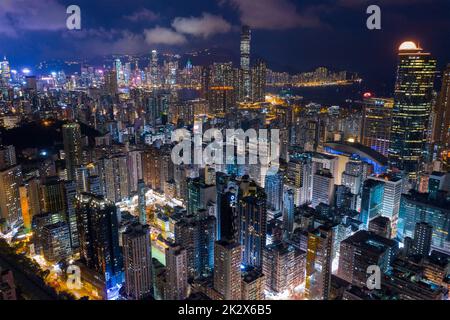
(274, 14)
(143, 15)
(17, 16)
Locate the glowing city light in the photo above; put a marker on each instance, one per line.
(408, 45)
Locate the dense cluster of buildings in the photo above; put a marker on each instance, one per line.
(356, 187)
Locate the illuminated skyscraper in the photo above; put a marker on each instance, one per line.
(423, 234)
(412, 107)
(245, 81)
(253, 220)
(197, 233)
(119, 72)
(226, 208)
(7, 156)
(30, 200)
(362, 250)
(5, 72)
(177, 273)
(227, 269)
(56, 242)
(10, 207)
(376, 123)
(371, 201)
(137, 258)
(113, 171)
(111, 85)
(154, 72)
(442, 121)
(323, 188)
(393, 186)
(98, 231)
(141, 202)
(72, 148)
(283, 266)
(258, 78)
(318, 263)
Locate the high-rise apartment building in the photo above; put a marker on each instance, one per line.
(227, 269)
(176, 273)
(72, 148)
(137, 258)
(318, 263)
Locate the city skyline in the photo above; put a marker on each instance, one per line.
(173, 177)
(298, 36)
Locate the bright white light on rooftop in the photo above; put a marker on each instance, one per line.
(408, 45)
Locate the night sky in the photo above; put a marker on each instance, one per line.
(291, 35)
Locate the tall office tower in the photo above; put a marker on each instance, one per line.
(288, 211)
(98, 232)
(253, 285)
(245, 81)
(199, 195)
(55, 240)
(362, 250)
(7, 156)
(176, 273)
(391, 198)
(323, 188)
(197, 233)
(318, 263)
(111, 85)
(371, 201)
(258, 78)
(284, 267)
(70, 194)
(418, 207)
(227, 269)
(412, 107)
(134, 163)
(30, 200)
(10, 207)
(423, 234)
(441, 134)
(142, 189)
(226, 208)
(381, 226)
(376, 123)
(113, 172)
(274, 190)
(252, 221)
(5, 72)
(154, 71)
(137, 259)
(53, 198)
(119, 72)
(72, 148)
